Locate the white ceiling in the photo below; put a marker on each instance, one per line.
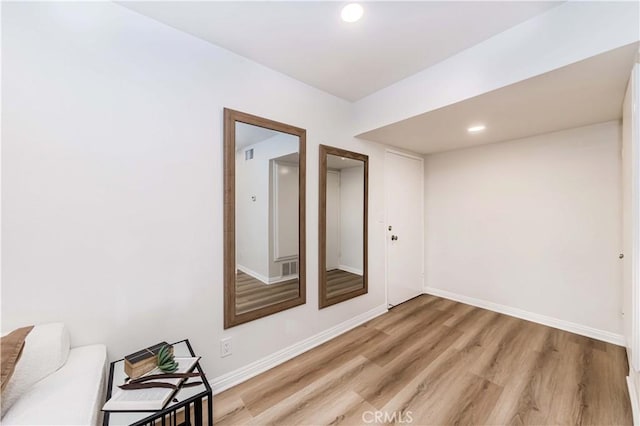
(307, 40)
(248, 134)
(338, 163)
(289, 158)
(587, 92)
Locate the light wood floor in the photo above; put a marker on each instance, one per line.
(252, 293)
(340, 282)
(442, 362)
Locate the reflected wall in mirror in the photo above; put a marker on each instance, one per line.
(342, 228)
(264, 181)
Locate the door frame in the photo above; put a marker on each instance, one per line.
(634, 205)
(631, 230)
(394, 151)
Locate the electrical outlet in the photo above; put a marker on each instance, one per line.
(225, 347)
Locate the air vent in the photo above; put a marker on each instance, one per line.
(289, 268)
(248, 154)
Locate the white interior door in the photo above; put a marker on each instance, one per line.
(404, 182)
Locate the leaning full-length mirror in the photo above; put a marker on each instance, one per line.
(264, 217)
(342, 230)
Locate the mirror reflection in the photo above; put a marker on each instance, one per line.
(267, 176)
(344, 266)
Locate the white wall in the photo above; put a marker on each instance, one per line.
(533, 224)
(345, 210)
(253, 218)
(351, 219)
(112, 182)
(333, 220)
(284, 215)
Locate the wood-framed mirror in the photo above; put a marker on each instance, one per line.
(264, 217)
(342, 225)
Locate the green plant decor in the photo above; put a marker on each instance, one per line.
(166, 360)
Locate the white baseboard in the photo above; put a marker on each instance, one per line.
(633, 396)
(350, 269)
(282, 279)
(262, 278)
(632, 385)
(242, 374)
(253, 274)
(583, 330)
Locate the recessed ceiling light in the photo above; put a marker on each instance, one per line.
(476, 129)
(342, 158)
(352, 12)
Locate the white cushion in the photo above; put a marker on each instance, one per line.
(46, 349)
(73, 395)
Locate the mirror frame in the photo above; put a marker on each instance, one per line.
(231, 317)
(323, 300)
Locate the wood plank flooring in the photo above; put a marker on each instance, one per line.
(252, 293)
(437, 362)
(340, 282)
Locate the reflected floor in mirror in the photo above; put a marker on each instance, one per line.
(341, 282)
(252, 294)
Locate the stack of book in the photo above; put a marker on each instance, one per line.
(143, 361)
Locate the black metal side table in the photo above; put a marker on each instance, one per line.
(185, 407)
